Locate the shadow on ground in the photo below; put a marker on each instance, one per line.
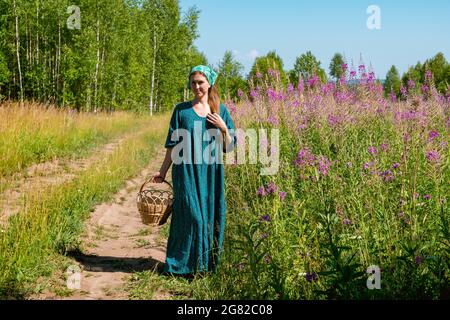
(96, 263)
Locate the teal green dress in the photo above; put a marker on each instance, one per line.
(198, 219)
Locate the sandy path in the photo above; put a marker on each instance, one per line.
(116, 244)
(54, 172)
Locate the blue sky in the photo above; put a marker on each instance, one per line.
(410, 31)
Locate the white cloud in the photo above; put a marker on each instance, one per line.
(252, 54)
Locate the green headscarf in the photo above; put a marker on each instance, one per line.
(209, 73)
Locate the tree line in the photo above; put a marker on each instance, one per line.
(270, 68)
(97, 54)
(135, 54)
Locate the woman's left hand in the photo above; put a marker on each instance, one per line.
(216, 120)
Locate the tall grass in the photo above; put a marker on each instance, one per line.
(363, 181)
(33, 133)
(52, 220)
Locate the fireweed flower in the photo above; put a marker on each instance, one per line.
(290, 88)
(313, 81)
(372, 150)
(282, 195)
(261, 191)
(324, 165)
(411, 84)
(403, 91)
(346, 222)
(259, 75)
(433, 156)
(387, 175)
(271, 187)
(433, 135)
(368, 165)
(305, 158)
(384, 146)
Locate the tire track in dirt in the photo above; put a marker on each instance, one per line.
(116, 244)
(49, 173)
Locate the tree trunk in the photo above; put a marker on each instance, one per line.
(152, 89)
(97, 65)
(18, 50)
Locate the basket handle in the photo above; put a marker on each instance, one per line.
(149, 180)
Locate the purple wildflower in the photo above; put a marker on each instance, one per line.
(367, 165)
(418, 260)
(427, 196)
(263, 236)
(384, 146)
(261, 191)
(290, 88)
(271, 188)
(411, 84)
(432, 135)
(266, 218)
(240, 266)
(259, 75)
(310, 277)
(387, 175)
(240, 93)
(267, 259)
(403, 91)
(347, 222)
(324, 165)
(313, 81)
(396, 165)
(282, 195)
(372, 150)
(433, 156)
(305, 157)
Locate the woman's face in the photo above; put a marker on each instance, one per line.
(199, 85)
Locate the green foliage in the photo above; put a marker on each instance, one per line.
(230, 79)
(268, 70)
(126, 53)
(307, 65)
(336, 70)
(392, 83)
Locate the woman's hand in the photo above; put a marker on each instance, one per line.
(158, 177)
(216, 120)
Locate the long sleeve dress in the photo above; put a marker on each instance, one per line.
(199, 208)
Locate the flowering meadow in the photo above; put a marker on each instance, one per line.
(363, 181)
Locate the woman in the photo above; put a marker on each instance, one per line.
(198, 219)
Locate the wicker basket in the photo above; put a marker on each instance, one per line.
(154, 204)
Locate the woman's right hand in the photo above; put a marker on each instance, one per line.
(158, 177)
